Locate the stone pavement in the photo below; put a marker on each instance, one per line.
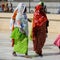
(50, 52)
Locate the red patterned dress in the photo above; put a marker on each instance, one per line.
(39, 29)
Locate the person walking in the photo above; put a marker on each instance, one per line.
(39, 29)
(19, 27)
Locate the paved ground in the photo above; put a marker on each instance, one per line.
(50, 52)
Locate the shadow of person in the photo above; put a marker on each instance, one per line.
(29, 56)
(51, 54)
(34, 56)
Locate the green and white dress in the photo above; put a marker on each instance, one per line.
(20, 40)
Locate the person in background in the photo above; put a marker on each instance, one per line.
(39, 29)
(19, 27)
(11, 7)
(3, 6)
(59, 10)
(6, 8)
(1, 9)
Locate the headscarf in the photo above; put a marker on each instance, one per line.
(41, 3)
(21, 7)
(44, 6)
(17, 13)
(38, 7)
(39, 17)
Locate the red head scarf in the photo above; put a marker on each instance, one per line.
(39, 16)
(38, 7)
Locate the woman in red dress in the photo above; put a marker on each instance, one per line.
(39, 29)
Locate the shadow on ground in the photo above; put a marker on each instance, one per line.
(34, 56)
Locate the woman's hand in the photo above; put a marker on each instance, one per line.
(29, 20)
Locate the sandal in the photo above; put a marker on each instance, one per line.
(14, 53)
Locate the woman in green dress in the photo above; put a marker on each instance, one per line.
(20, 32)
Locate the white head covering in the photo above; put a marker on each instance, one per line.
(21, 7)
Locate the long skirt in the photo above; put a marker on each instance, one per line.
(39, 38)
(20, 41)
